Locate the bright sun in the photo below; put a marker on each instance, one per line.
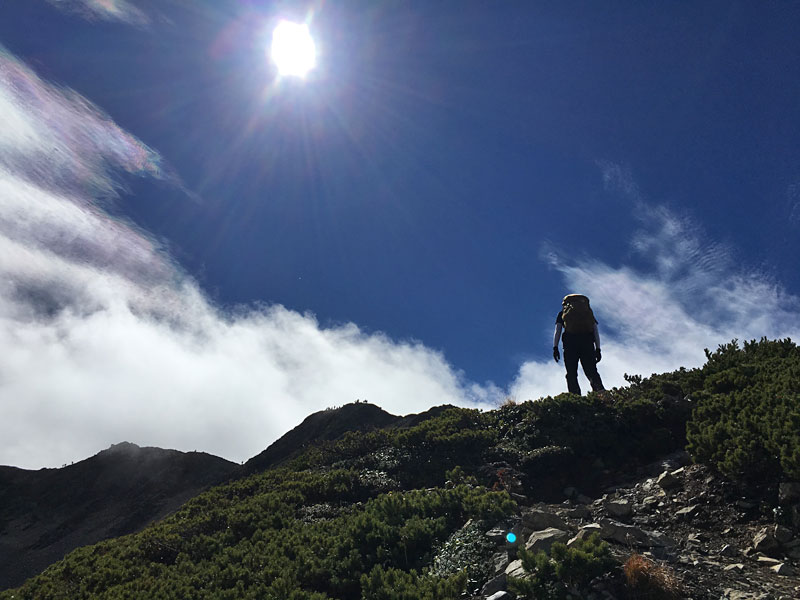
(293, 50)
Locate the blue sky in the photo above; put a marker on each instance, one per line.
(197, 253)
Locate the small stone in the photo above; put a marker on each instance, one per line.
(503, 595)
(728, 550)
(688, 512)
(782, 569)
(618, 508)
(767, 561)
(667, 481)
(496, 536)
(678, 472)
(734, 567)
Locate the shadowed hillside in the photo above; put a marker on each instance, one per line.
(46, 513)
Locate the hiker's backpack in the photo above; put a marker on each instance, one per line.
(577, 314)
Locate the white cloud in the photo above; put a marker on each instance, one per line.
(106, 10)
(104, 339)
(657, 319)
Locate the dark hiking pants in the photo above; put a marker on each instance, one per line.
(579, 348)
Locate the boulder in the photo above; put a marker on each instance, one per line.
(618, 508)
(585, 531)
(537, 520)
(579, 512)
(541, 541)
(495, 585)
(500, 561)
(631, 535)
(514, 569)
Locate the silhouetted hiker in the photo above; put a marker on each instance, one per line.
(581, 341)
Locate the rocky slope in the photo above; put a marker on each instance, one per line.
(46, 513)
(690, 524)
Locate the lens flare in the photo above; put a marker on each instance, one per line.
(511, 538)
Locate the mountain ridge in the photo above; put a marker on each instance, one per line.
(680, 485)
(45, 513)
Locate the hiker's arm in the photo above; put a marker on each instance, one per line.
(557, 335)
(596, 337)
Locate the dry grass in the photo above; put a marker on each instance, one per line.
(647, 580)
(509, 401)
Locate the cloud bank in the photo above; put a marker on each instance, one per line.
(105, 339)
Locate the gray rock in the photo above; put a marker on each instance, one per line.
(618, 508)
(728, 550)
(501, 596)
(495, 585)
(514, 569)
(541, 541)
(497, 535)
(631, 535)
(668, 481)
(734, 567)
(585, 531)
(788, 492)
(764, 541)
(688, 512)
(537, 520)
(579, 512)
(500, 561)
(768, 561)
(782, 569)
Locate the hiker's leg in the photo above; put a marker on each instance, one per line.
(589, 364)
(571, 357)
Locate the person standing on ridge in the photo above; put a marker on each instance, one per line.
(581, 341)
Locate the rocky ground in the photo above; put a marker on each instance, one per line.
(691, 523)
